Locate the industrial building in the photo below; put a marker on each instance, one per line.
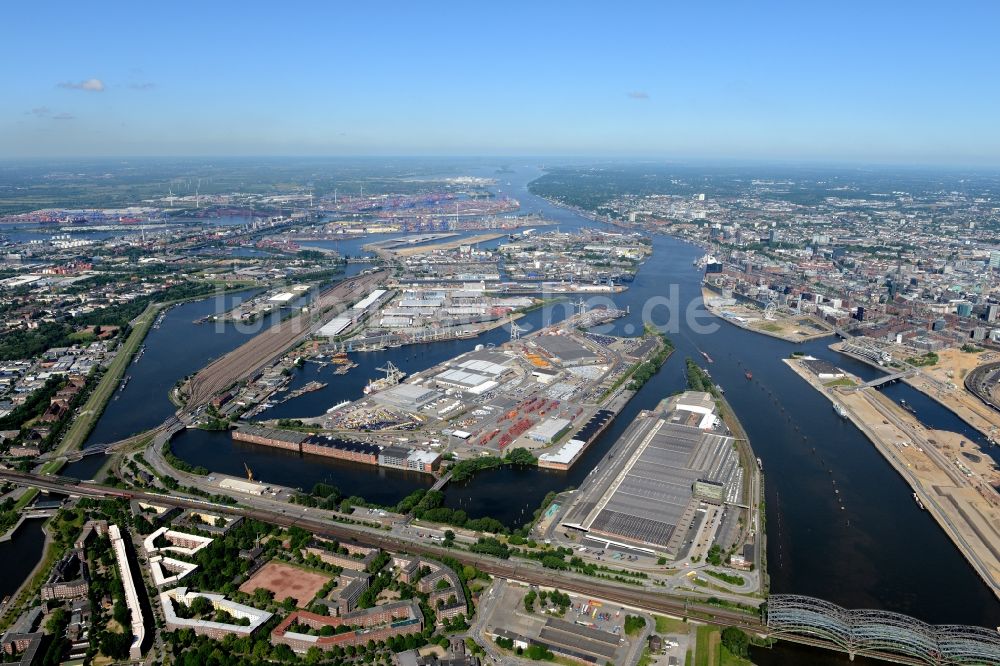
(334, 327)
(565, 349)
(566, 455)
(404, 458)
(673, 464)
(281, 439)
(410, 399)
(549, 430)
(406, 397)
(332, 447)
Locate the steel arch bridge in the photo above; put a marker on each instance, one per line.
(880, 634)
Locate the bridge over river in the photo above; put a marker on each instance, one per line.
(878, 634)
(869, 633)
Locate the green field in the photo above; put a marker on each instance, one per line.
(669, 625)
(702, 653)
(94, 407)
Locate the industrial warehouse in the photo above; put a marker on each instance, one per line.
(355, 314)
(553, 392)
(676, 461)
(400, 457)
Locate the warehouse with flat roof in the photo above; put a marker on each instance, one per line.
(334, 327)
(565, 349)
(406, 397)
(653, 499)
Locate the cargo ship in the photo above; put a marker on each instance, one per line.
(919, 503)
(707, 357)
(393, 376)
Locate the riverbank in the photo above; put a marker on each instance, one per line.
(97, 401)
(752, 530)
(950, 477)
(751, 319)
(31, 582)
(936, 384)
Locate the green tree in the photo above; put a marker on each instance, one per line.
(737, 642)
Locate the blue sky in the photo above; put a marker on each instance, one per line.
(906, 82)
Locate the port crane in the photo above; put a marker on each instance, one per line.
(390, 370)
(249, 471)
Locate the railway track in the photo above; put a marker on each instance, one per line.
(247, 359)
(518, 571)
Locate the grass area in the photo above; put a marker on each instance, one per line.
(670, 625)
(566, 661)
(843, 381)
(705, 648)
(732, 579)
(770, 327)
(930, 358)
(727, 658)
(92, 409)
(53, 466)
(25, 499)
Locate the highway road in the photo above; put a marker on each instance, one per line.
(525, 571)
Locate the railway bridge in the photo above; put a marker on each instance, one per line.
(806, 620)
(878, 634)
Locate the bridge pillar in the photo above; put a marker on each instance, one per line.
(850, 656)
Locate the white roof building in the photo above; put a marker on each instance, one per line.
(181, 595)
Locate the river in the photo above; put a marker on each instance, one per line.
(879, 551)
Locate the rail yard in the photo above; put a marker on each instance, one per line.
(265, 347)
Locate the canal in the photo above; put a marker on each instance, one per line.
(868, 547)
(20, 554)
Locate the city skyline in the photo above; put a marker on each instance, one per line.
(892, 84)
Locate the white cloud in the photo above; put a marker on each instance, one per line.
(90, 85)
(40, 111)
(638, 94)
(63, 116)
(147, 85)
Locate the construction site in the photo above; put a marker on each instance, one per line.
(769, 318)
(950, 476)
(963, 380)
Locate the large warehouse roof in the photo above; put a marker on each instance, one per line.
(462, 379)
(548, 429)
(368, 300)
(408, 397)
(649, 500)
(334, 327)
